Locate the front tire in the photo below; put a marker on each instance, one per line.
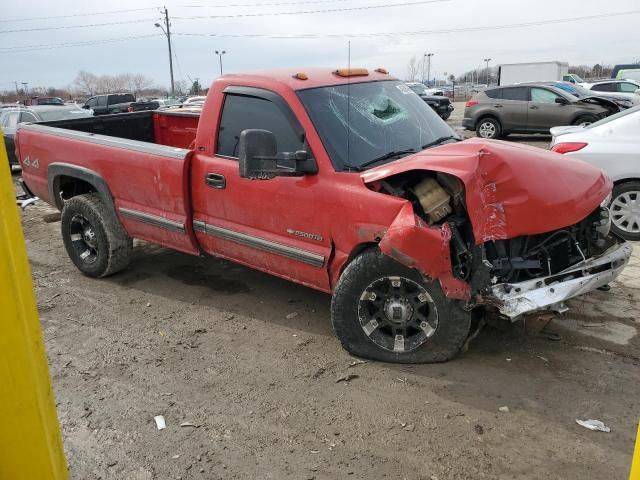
(384, 311)
(625, 210)
(488, 128)
(584, 120)
(93, 237)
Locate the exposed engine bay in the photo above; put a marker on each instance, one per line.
(438, 198)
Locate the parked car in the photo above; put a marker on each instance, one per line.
(141, 106)
(612, 144)
(343, 181)
(44, 101)
(194, 100)
(622, 100)
(440, 104)
(530, 108)
(110, 103)
(11, 117)
(623, 88)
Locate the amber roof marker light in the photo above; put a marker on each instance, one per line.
(301, 76)
(351, 72)
(384, 71)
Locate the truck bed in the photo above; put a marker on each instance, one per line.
(139, 163)
(173, 129)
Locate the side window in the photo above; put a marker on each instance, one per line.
(542, 95)
(242, 112)
(92, 102)
(102, 101)
(11, 121)
(494, 93)
(627, 87)
(28, 117)
(515, 93)
(604, 87)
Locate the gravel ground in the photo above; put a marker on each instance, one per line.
(250, 363)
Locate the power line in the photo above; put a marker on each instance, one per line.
(275, 4)
(418, 32)
(44, 46)
(328, 10)
(79, 26)
(91, 14)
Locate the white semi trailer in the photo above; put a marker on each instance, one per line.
(511, 73)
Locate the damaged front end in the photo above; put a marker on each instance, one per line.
(501, 227)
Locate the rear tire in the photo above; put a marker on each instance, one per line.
(488, 128)
(384, 311)
(584, 120)
(445, 116)
(93, 237)
(625, 210)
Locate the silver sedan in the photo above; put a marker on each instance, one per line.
(613, 144)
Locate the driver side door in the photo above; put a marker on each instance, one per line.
(271, 224)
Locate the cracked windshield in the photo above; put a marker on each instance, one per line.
(366, 124)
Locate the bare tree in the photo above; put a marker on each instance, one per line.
(86, 82)
(181, 87)
(140, 82)
(412, 69)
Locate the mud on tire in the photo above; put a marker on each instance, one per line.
(378, 300)
(93, 237)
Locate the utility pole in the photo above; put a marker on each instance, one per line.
(167, 32)
(429, 55)
(220, 53)
(424, 61)
(487, 60)
(16, 84)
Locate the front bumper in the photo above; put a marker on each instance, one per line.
(549, 293)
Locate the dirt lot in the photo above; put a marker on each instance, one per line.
(251, 362)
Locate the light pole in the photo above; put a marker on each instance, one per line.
(428, 55)
(487, 60)
(25, 86)
(167, 33)
(220, 53)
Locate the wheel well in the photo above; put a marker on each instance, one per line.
(625, 180)
(68, 187)
(357, 250)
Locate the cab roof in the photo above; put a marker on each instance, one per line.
(316, 77)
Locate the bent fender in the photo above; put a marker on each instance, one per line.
(410, 241)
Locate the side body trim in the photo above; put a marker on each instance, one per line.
(135, 145)
(154, 220)
(304, 256)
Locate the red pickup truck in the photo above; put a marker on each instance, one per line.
(344, 181)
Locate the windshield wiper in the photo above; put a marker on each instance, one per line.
(439, 141)
(386, 156)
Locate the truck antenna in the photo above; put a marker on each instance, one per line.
(348, 101)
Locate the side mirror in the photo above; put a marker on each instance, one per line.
(259, 158)
(85, 106)
(562, 100)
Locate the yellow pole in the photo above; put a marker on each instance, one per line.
(30, 440)
(635, 463)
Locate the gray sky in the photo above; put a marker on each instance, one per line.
(609, 40)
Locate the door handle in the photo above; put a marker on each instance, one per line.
(533, 107)
(215, 180)
(497, 105)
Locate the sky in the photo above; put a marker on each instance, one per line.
(608, 40)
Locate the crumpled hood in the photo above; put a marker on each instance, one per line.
(511, 189)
